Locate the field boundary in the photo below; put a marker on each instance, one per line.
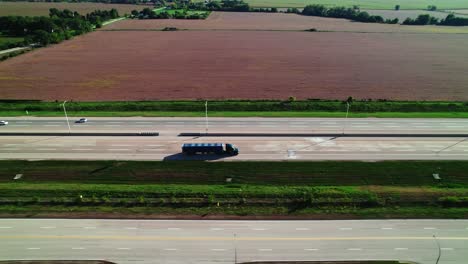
(316, 135)
(83, 134)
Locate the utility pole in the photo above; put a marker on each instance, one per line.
(235, 249)
(346, 118)
(206, 117)
(438, 247)
(66, 116)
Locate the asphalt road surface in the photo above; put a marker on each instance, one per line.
(172, 126)
(168, 145)
(251, 148)
(155, 241)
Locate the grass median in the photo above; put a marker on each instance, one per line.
(236, 189)
(232, 108)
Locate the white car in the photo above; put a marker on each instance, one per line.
(3, 123)
(81, 120)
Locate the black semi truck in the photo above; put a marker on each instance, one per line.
(210, 148)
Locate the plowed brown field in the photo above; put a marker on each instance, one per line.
(151, 65)
(42, 8)
(276, 21)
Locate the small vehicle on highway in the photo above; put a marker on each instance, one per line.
(210, 148)
(81, 120)
(3, 123)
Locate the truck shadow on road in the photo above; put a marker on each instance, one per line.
(181, 156)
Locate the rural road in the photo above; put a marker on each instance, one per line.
(167, 146)
(159, 241)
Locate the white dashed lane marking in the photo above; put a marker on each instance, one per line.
(311, 249)
(170, 249)
(119, 149)
(265, 249)
(77, 248)
(123, 248)
(401, 248)
(302, 229)
(82, 149)
(34, 248)
(354, 249)
(46, 149)
(218, 249)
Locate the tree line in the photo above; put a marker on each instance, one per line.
(59, 26)
(229, 6)
(147, 13)
(343, 12)
(426, 19)
(356, 15)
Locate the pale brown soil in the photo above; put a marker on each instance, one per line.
(459, 11)
(42, 8)
(278, 21)
(152, 65)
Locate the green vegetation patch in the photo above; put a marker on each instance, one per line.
(238, 188)
(233, 108)
(10, 42)
(310, 173)
(368, 4)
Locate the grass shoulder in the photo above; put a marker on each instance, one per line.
(314, 190)
(236, 108)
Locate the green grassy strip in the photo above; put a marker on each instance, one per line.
(375, 196)
(294, 173)
(223, 211)
(240, 108)
(236, 114)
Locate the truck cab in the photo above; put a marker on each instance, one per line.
(231, 149)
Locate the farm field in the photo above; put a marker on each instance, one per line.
(365, 4)
(403, 14)
(241, 64)
(42, 8)
(279, 21)
(5, 39)
(459, 11)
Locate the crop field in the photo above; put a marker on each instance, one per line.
(5, 39)
(367, 4)
(42, 8)
(265, 21)
(241, 64)
(403, 14)
(459, 11)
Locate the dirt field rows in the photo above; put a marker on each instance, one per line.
(139, 65)
(42, 8)
(264, 21)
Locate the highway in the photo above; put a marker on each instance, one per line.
(184, 241)
(167, 146)
(174, 125)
